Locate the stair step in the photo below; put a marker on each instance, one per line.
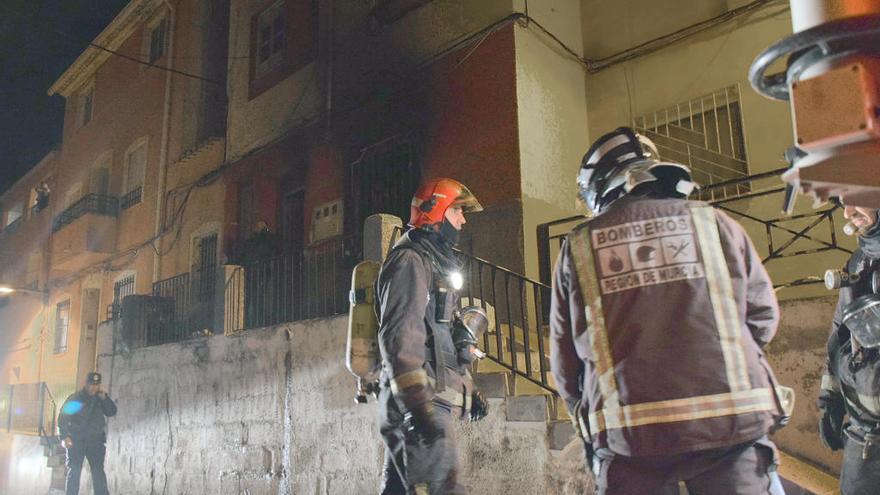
(560, 434)
(528, 408)
(562, 410)
(59, 478)
(493, 385)
(56, 449)
(55, 461)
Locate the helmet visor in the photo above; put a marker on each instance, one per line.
(467, 201)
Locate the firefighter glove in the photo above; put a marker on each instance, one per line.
(479, 406)
(831, 424)
(421, 422)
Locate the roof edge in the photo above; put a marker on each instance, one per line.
(111, 38)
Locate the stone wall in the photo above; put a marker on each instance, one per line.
(271, 411)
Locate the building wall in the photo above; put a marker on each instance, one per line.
(552, 118)
(711, 60)
(462, 123)
(22, 314)
(126, 98)
(35, 228)
(362, 62)
(201, 208)
(129, 105)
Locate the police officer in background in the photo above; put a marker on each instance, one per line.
(660, 310)
(425, 383)
(82, 427)
(851, 385)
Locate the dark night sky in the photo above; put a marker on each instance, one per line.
(39, 39)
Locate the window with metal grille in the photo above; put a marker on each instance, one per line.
(135, 166)
(706, 134)
(62, 326)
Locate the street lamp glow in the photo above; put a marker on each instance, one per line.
(5, 289)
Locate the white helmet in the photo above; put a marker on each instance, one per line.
(621, 160)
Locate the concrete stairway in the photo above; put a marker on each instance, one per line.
(56, 456)
(524, 401)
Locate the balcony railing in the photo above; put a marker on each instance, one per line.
(291, 287)
(13, 226)
(131, 198)
(191, 307)
(91, 203)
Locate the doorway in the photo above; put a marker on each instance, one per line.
(87, 358)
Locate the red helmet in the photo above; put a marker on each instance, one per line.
(434, 197)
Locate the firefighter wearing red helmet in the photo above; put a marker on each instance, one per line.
(425, 383)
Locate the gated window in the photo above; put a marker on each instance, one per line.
(384, 179)
(122, 288)
(62, 326)
(135, 167)
(204, 264)
(706, 134)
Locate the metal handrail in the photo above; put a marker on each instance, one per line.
(30, 409)
(522, 310)
(47, 432)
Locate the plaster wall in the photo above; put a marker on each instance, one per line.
(552, 117)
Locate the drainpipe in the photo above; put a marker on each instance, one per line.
(47, 264)
(329, 38)
(163, 149)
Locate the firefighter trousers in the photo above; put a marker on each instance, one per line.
(745, 469)
(412, 466)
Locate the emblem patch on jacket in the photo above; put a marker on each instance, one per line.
(648, 252)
